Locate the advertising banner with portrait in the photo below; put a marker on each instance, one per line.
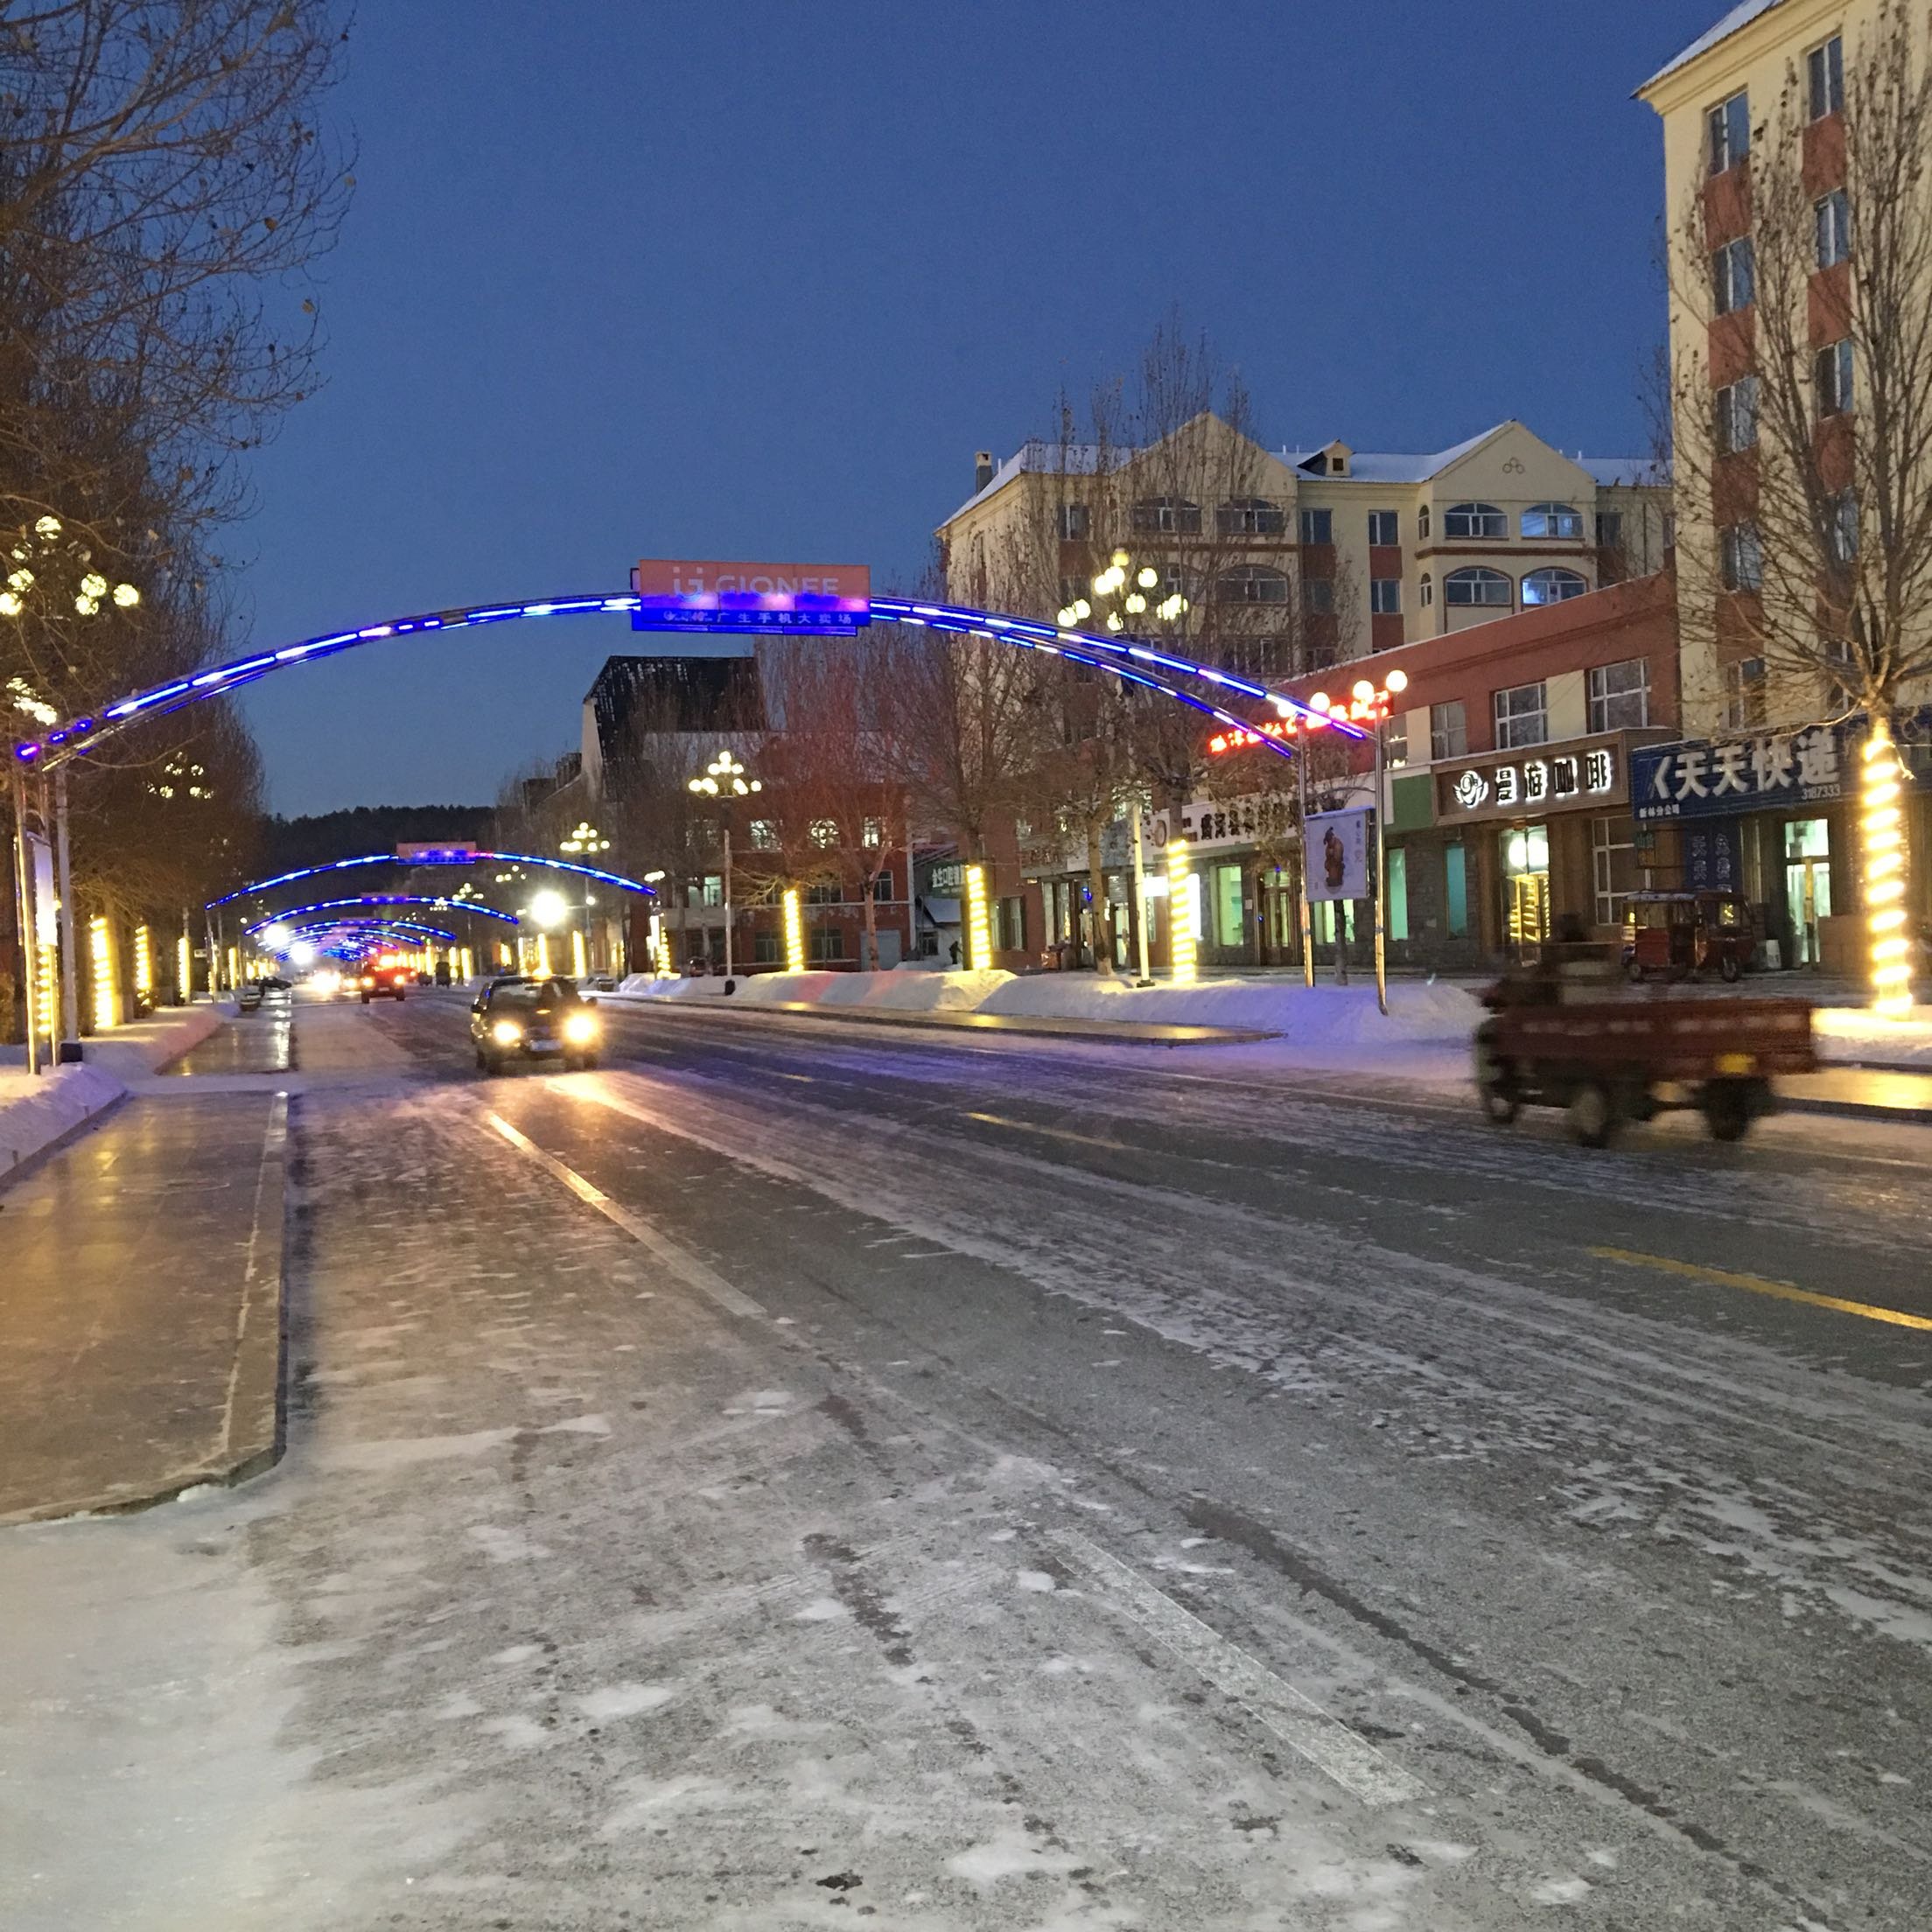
(1338, 854)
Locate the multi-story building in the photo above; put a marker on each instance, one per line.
(1770, 374)
(1323, 554)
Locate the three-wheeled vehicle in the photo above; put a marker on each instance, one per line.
(1561, 1037)
(1684, 935)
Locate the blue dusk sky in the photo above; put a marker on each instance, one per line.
(737, 278)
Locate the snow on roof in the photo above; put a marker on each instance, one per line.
(1738, 17)
(1039, 456)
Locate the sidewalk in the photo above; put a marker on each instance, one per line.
(38, 1109)
(141, 1306)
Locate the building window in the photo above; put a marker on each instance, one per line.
(1385, 596)
(1075, 522)
(1832, 218)
(764, 836)
(1422, 523)
(1609, 530)
(1170, 516)
(1834, 378)
(872, 833)
(1824, 68)
(1251, 583)
(1395, 739)
(764, 949)
(1490, 588)
(711, 891)
(1730, 132)
(1523, 717)
(823, 833)
(1613, 861)
(1552, 587)
(1425, 593)
(1319, 594)
(824, 893)
(1250, 516)
(1009, 925)
(1560, 520)
(1737, 416)
(1448, 731)
(1384, 527)
(1318, 526)
(1620, 696)
(882, 887)
(1734, 276)
(1743, 559)
(1475, 521)
(828, 943)
(1844, 528)
(1396, 895)
(1744, 694)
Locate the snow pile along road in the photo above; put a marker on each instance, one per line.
(1852, 1034)
(1325, 1016)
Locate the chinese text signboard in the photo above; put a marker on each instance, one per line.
(1743, 774)
(1529, 784)
(1717, 777)
(685, 594)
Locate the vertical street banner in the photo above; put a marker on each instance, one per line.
(43, 916)
(1338, 854)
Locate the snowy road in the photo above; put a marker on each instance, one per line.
(803, 1472)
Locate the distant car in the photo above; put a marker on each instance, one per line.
(530, 1018)
(598, 983)
(383, 983)
(442, 973)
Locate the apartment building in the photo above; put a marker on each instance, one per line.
(1758, 100)
(1297, 559)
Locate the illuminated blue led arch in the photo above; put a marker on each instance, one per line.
(454, 857)
(1134, 660)
(295, 913)
(414, 928)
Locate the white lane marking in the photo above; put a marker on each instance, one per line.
(273, 1143)
(680, 1260)
(1328, 1743)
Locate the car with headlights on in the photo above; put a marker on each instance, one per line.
(534, 1019)
(383, 982)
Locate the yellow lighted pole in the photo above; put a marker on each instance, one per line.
(794, 933)
(1182, 939)
(979, 937)
(1881, 802)
(45, 543)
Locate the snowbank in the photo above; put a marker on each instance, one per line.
(37, 1111)
(1335, 1016)
(1856, 1033)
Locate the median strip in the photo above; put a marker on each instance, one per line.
(1757, 1285)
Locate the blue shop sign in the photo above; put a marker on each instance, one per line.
(1765, 771)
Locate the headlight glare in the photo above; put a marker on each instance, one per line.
(506, 1033)
(579, 1028)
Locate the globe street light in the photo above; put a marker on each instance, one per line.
(585, 842)
(725, 779)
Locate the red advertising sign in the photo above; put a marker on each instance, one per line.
(704, 594)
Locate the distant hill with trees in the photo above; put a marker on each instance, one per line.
(319, 838)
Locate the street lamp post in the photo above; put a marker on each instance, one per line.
(724, 779)
(586, 842)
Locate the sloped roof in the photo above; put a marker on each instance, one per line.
(1368, 466)
(1739, 17)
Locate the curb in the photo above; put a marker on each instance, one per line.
(1852, 1109)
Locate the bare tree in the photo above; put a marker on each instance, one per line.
(1803, 430)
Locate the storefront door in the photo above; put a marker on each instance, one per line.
(1526, 889)
(1807, 885)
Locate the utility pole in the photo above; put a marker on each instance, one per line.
(30, 962)
(1307, 934)
(1140, 900)
(70, 1046)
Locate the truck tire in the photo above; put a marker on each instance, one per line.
(1593, 1114)
(1727, 1108)
(1495, 1084)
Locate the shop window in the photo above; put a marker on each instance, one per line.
(1228, 928)
(1613, 861)
(1455, 868)
(1526, 887)
(1398, 893)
